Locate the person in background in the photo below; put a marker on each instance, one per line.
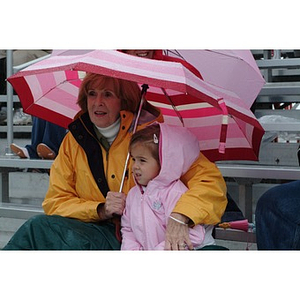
(150, 202)
(46, 138)
(83, 204)
(158, 55)
(277, 218)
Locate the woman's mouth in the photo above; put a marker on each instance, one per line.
(100, 113)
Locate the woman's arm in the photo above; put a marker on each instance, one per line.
(72, 190)
(205, 201)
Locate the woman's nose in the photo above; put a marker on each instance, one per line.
(99, 99)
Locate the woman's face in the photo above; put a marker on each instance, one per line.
(103, 105)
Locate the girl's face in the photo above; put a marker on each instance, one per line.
(145, 166)
(103, 105)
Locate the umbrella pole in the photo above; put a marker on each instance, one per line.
(174, 107)
(136, 120)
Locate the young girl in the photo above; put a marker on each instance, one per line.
(161, 154)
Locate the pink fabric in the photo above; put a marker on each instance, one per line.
(234, 70)
(146, 215)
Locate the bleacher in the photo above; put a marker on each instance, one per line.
(22, 192)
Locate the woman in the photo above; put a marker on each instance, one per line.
(83, 205)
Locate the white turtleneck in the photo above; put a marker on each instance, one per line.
(110, 132)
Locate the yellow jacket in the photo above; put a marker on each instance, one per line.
(83, 172)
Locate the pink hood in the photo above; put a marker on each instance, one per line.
(146, 214)
(179, 148)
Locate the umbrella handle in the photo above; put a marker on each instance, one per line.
(224, 126)
(144, 91)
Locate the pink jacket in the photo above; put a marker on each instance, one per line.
(146, 214)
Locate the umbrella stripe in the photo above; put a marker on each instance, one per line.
(70, 90)
(35, 86)
(42, 112)
(210, 127)
(57, 107)
(183, 107)
(69, 110)
(132, 64)
(210, 144)
(199, 117)
(62, 93)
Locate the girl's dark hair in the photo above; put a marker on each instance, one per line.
(149, 137)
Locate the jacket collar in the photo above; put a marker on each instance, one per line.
(83, 131)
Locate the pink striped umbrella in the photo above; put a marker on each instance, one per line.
(234, 70)
(226, 128)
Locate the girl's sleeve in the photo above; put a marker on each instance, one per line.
(129, 241)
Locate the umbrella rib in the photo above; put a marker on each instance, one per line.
(55, 87)
(176, 52)
(173, 105)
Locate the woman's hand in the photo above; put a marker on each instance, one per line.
(114, 205)
(177, 234)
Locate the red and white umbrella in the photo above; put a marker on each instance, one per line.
(225, 126)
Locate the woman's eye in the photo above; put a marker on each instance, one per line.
(91, 93)
(108, 94)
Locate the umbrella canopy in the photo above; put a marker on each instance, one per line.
(234, 70)
(226, 128)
